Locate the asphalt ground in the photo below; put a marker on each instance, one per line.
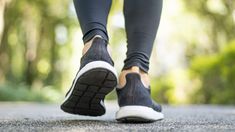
(48, 117)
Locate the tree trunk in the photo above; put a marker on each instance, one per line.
(2, 9)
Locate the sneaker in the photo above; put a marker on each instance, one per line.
(95, 79)
(135, 102)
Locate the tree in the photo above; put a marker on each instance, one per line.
(213, 67)
(3, 4)
(29, 51)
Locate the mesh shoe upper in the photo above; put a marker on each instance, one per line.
(97, 52)
(135, 93)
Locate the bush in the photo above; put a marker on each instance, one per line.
(13, 92)
(217, 75)
(162, 89)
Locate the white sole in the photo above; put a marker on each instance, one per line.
(138, 113)
(90, 66)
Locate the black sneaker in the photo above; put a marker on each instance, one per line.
(94, 80)
(135, 102)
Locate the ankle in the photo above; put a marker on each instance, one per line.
(88, 44)
(134, 69)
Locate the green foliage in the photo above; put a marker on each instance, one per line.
(30, 49)
(162, 89)
(217, 16)
(13, 92)
(216, 73)
(213, 67)
(112, 95)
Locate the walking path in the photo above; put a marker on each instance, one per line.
(48, 117)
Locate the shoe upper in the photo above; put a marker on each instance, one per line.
(97, 52)
(135, 93)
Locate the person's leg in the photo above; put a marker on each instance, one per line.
(96, 76)
(92, 16)
(141, 21)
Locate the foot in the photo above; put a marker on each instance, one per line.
(95, 79)
(135, 101)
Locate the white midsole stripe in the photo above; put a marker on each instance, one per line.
(139, 111)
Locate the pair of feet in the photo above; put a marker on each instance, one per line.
(97, 77)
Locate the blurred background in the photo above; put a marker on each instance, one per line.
(193, 59)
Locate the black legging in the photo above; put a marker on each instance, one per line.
(141, 21)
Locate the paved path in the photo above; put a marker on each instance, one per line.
(48, 117)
